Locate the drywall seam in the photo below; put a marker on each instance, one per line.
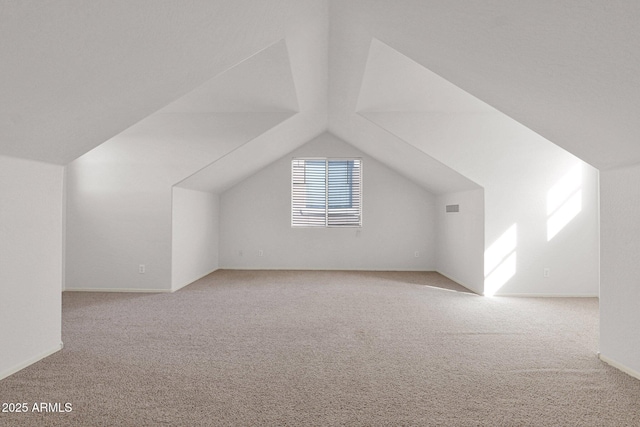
(30, 361)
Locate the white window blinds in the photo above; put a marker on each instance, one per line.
(326, 193)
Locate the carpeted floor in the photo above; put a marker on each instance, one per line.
(325, 348)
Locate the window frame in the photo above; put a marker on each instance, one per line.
(327, 195)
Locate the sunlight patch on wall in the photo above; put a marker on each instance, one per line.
(500, 261)
(564, 201)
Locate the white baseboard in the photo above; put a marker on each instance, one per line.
(547, 295)
(620, 366)
(267, 268)
(522, 295)
(31, 361)
(155, 291)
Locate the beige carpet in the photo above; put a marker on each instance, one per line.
(325, 348)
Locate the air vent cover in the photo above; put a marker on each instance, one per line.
(453, 208)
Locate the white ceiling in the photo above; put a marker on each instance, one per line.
(76, 74)
(261, 83)
(401, 156)
(393, 82)
(568, 70)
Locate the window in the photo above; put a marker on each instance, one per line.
(326, 192)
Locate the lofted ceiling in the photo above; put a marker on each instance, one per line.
(174, 82)
(393, 82)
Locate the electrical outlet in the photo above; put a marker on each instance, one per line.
(141, 269)
(260, 252)
(416, 254)
(547, 272)
(240, 253)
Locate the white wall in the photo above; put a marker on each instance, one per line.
(119, 199)
(31, 219)
(194, 236)
(398, 220)
(517, 169)
(118, 217)
(620, 268)
(460, 238)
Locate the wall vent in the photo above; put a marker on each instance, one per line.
(453, 208)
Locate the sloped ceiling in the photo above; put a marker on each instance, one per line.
(212, 120)
(568, 70)
(75, 74)
(261, 83)
(394, 83)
